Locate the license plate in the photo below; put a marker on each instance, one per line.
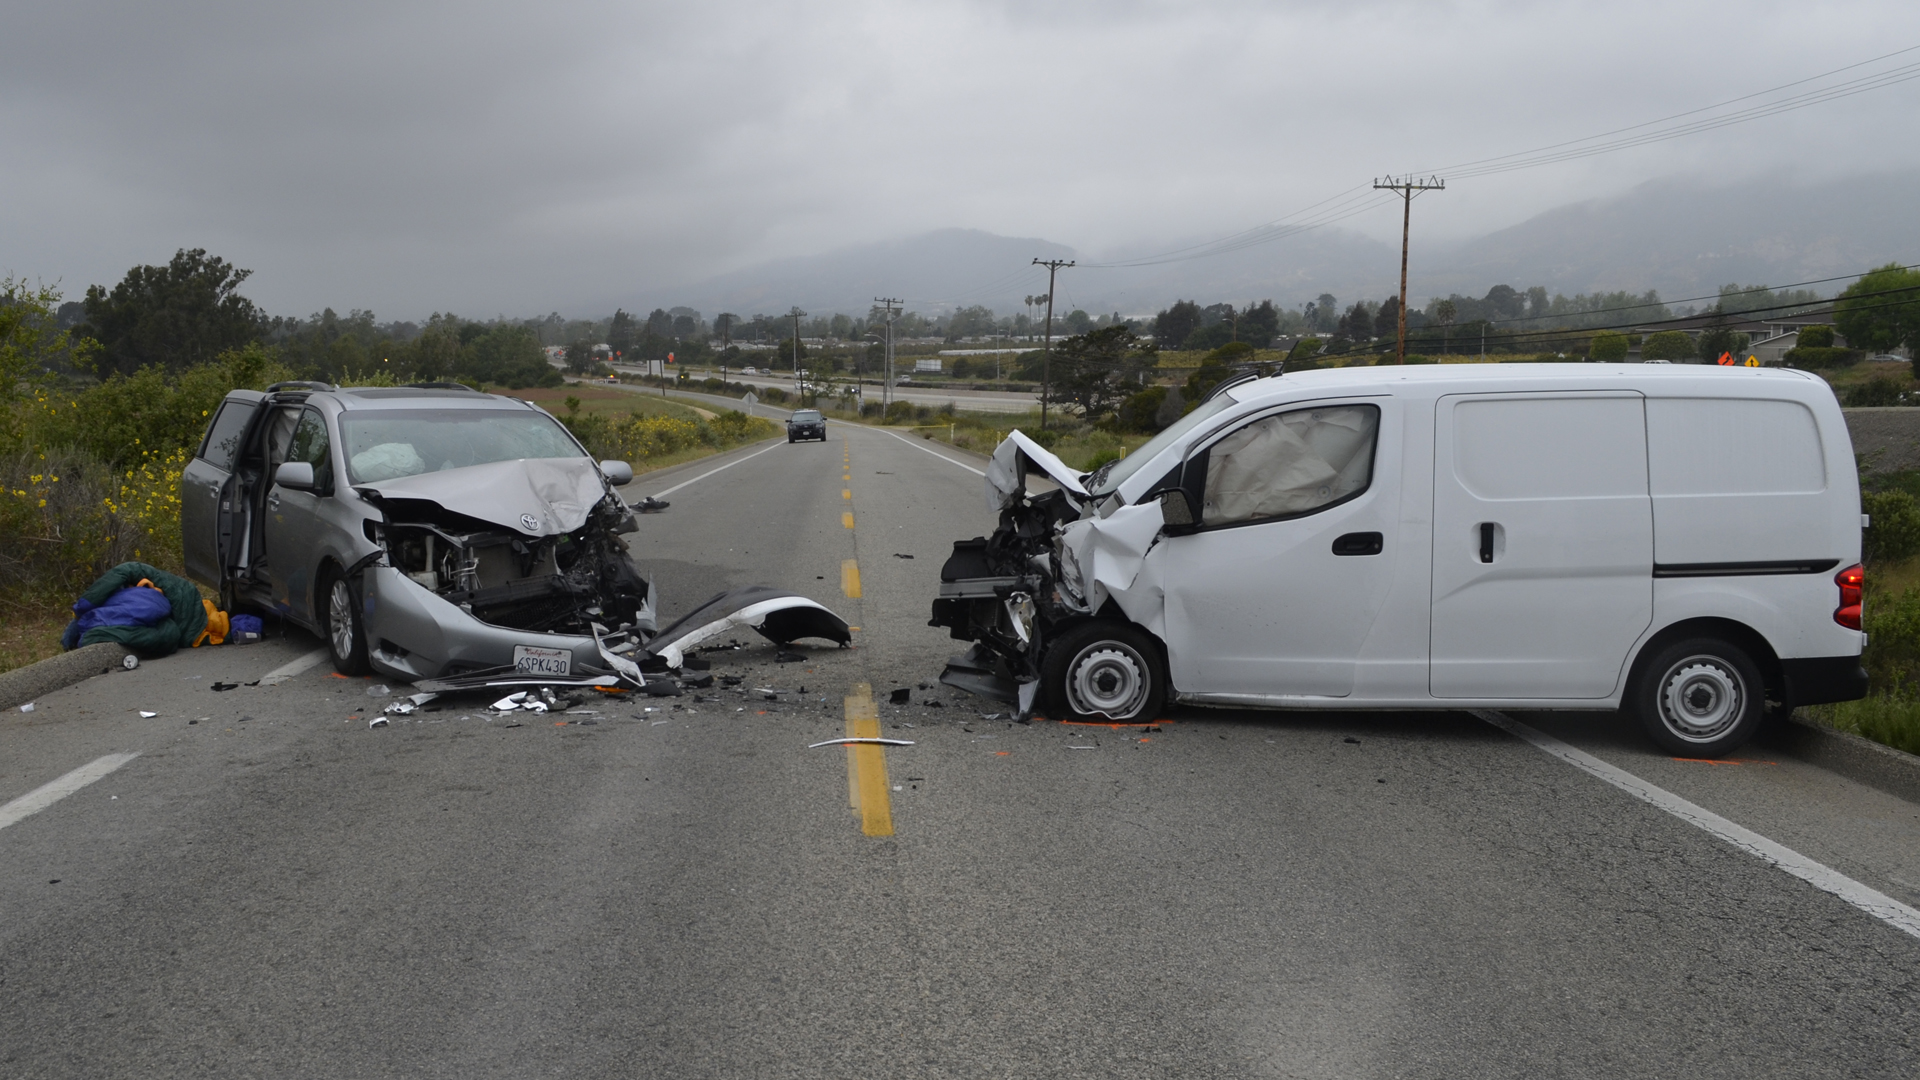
(531, 660)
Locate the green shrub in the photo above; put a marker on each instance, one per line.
(1669, 345)
(1877, 392)
(1140, 412)
(1821, 357)
(1608, 346)
(1815, 337)
(1894, 532)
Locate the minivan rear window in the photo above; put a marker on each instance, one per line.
(223, 435)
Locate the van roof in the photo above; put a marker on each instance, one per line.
(1433, 379)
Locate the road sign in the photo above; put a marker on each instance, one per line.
(1726, 359)
(1753, 361)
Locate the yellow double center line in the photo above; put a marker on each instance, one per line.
(867, 790)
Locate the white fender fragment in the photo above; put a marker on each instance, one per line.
(1006, 478)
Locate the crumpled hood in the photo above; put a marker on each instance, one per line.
(1007, 472)
(532, 496)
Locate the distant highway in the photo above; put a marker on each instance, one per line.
(966, 400)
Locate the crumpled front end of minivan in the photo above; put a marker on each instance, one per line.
(1049, 564)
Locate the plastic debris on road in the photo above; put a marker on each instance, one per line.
(902, 696)
(379, 690)
(148, 715)
(399, 708)
(376, 721)
(854, 741)
(28, 707)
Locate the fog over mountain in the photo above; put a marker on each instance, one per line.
(1684, 238)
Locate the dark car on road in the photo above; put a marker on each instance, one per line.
(806, 424)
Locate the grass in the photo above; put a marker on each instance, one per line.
(603, 399)
(30, 629)
(1890, 719)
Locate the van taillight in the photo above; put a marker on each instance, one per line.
(1849, 580)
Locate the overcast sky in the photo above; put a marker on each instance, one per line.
(488, 157)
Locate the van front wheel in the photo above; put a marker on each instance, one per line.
(1104, 671)
(1701, 697)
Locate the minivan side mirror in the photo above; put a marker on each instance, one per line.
(618, 473)
(294, 476)
(1177, 510)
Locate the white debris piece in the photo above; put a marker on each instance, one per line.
(28, 707)
(148, 715)
(377, 721)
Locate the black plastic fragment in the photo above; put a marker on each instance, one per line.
(697, 682)
(221, 686)
(789, 658)
(694, 663)
(902, 696)
(661, 688)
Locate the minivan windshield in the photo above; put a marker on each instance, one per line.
(1114, 473)
(806, 416)
(386, 444)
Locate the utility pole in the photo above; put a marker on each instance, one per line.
(1407, 189)
(1046, 349)
(886, 374)
(798, 379)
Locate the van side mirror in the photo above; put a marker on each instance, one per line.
(1176, 509)
(618, 473)
(294, 476)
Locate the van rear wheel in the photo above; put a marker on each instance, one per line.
(1701, 697)
(1105, 671)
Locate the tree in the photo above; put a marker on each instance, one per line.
(1260, 324)
(177, 315)
(580, 356)
(841, 326)
(1078, 322)
(509, 356)
(436, 352)
(1668, 345)
(976, 321)
(1444, 312)
(1608, 346)
(1716, 341)
(1881, 311)
(684, 326)
(723, 325)
(1305, 350)
(32, 344)
(1171, 327)
(1386, 323)
(1323, 314)
(1357, 323)
(659, 323)
(620, 333)
(1095, 371)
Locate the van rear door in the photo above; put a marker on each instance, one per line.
(1542, 544)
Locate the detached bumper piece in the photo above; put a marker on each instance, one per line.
(780, 617)
(1818, 680)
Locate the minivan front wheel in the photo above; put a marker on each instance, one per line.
(1700, 698)
(1104, 671)
(346, 634)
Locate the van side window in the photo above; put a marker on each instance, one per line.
(223, 435)
(1291, 464)
(310, 445)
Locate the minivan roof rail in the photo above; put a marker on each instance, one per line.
(1231, 380)
(301, 385)
(442, 386)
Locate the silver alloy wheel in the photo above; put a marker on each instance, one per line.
(1108, 678)
(1701, 697)
(340, 618)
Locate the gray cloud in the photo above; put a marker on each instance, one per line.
(490, 157)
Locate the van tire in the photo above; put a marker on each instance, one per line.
(340, 601)
(1104, 671)
(1699, 697)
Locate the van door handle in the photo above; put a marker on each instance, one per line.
(1366, 543)
(1486, 541)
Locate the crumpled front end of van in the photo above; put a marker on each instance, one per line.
(1048, 564)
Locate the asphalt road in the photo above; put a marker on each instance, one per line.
(270, 888)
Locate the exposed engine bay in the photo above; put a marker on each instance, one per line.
(558, 584)
(1008, 592)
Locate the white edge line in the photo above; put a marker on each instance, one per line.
(941, 456)
(54, 790)
(1819, 875)
(710, 472)
(291, 668)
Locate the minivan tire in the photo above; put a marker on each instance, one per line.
(1104, 671)
(340, 623)
(1699, 697)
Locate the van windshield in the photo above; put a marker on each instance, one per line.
(1114, 473)
(385, 444)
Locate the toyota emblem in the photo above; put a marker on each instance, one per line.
(530, 523)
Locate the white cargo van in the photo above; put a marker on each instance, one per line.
(1681, 541)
